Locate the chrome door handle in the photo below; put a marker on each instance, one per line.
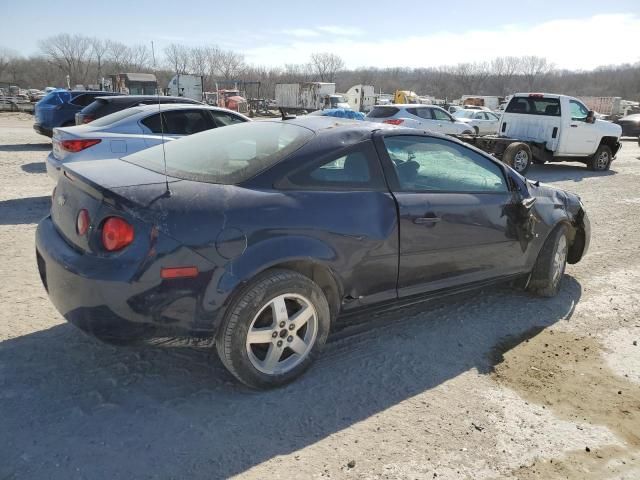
(426, 220)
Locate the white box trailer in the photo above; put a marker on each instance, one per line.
(361, 98)
(609, 106)
(489, 101)
(188, 86)
(308, 96)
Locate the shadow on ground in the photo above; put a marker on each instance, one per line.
(71, 404)
(556, 172)
(19, 211)
(26, 147)
(34, 167)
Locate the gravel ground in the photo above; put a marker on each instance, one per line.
(493, 385)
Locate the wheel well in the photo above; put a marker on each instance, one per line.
(322, 276)
(611, 142)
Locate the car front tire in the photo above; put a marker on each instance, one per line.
(601, 160)
(551, 263)
(274, 330)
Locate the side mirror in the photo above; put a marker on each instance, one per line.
(591, 116)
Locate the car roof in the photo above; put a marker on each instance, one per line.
(133, 98)
(180, 106)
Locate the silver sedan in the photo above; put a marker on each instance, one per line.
(132, 130)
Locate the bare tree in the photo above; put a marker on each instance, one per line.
(100, 49)
(71, 53)
(231, 64)
(503, 70)
(6, 57)
(326, 65)
(140, 56)
(533, 69)
(177, 57)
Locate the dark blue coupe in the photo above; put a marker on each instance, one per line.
(261, 234)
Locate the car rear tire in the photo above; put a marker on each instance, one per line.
(548, 271)
(601, 160)
(518, 156)
(274, 330)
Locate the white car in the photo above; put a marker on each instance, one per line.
(132, 130)
(426, 117)
(482, 121)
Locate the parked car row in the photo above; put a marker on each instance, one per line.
(259, 235)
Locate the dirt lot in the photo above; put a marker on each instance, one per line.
(494, 385)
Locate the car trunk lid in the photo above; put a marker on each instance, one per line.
(115, 187)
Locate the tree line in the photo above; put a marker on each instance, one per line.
(86, 60)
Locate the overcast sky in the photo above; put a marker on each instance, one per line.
(572, 34)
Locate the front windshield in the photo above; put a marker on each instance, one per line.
(227, 155)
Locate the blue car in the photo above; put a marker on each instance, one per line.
(257, 236)
(59, 108)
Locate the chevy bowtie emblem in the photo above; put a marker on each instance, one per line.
(61, 199)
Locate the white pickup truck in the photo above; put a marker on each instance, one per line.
(543, 127)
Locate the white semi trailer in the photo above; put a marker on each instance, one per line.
(309, 96)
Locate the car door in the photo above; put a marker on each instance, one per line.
(342, 200)
(480, 121)
(454, 214)
(445, 122)
(424, 119)
(581, 137)
(492, 123)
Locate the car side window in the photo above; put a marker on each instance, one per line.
(440, 114)
(152, 122)
(424, 113)
(357, 168)
(186, 122)
(82, 100)
(223, 119)
(578, 111)
(479, 116)
(425, 164)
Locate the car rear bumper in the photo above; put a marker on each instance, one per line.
(54, 167)
(47, 132)
(99, 296)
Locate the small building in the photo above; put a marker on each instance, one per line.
(134, 83)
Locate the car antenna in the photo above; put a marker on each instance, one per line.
(285, 115)
(164, 153)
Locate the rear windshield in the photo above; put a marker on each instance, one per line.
(383, 112)
(534, 106)
(114, 117)
(94, 106)
(227, 155)
(56, 97)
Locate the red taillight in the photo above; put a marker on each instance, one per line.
(82, 222)
(75, 146)
(87, 119)
(116, 234)
(179, 272)
(393, 121)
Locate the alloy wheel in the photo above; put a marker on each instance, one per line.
(559, 259)
(282, 334)
(520, 160)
